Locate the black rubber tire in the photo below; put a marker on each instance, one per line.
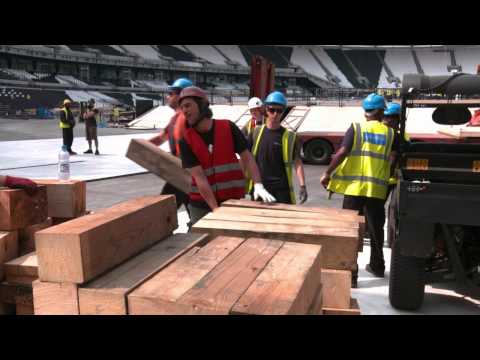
(407, 280)
(318, 152)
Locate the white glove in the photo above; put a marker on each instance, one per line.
(260, 192)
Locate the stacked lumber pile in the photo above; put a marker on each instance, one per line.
(125, 260)
(336, 230)
(21, 217)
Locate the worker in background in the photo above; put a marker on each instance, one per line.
(208, 151)
(173, 133)
(391, 118)
(19, 183)
(116, 115)
(360, 170)
(67, 123)
(276, 151)
(255, 106)
(91, 123)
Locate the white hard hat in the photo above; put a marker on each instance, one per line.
(254, 103)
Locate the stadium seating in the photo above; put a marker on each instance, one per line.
(233, 53)
(433, 63)
(208, 53)
(175, 53)
(331, 66)
(144, 51)
(279, 55)
(303, 58)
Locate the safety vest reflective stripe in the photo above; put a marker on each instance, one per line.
(362, 179)
(222, 168)
(222, 185)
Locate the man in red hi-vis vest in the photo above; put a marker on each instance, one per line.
(208, 150)
(173, 133)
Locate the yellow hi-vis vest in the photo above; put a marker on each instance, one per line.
(394, 178)
(62, 124)
(366, 170)
(288, 144)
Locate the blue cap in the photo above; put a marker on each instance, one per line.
(373, 102)
(393, 109)
(276, 98)
(180, 84)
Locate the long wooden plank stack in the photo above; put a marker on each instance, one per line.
(234, 275)
(20, 216)
(73, 253)
(336, 230)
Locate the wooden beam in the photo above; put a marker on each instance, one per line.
(26, 236)
(83, 248)
(16, 294)
(354, 309)
(317, 305)
(339, 246)
(300, 208)
(217, 292)
(318, 222)
(19, 210)
(159, 295)
(21, 309)
(8, 249)
(287, 286)
(339, 219)
(66, 198)
(336, 288)
(160, 163)
(22, 270)
(55, 298)
(107, 295)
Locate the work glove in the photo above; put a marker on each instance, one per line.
(302, 195)
(21, 183)
(260, 192)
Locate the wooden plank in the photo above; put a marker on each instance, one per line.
(336, 288)
(217, 292)
(7, 309)
(8, 249)
(339, 245)
(354, 309)
(287, 286)
(66, 198)
(19, 210)
(81, 249)
(160, 163)
(107, 294)
(21, 309)
(55, 298)
(58, 221)
(159, 295)
(298, 208)
(16, 294)
(317, 304)
(319, 222)
(26, 236)
(347, 219)
(22, 270)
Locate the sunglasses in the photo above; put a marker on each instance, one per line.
(274, 110)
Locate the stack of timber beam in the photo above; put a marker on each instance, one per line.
(72, 254)
(234, 275)
(20, 216)
(338, 231)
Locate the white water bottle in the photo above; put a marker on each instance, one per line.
(64, 164)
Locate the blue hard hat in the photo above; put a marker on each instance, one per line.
(276, 98)
(373, 102)
(392, 109)
(180, 84)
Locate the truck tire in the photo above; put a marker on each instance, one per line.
(318, 152)
(407, 280)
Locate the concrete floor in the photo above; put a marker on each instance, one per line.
(37, 158)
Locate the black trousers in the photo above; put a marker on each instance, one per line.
(180, 197)
(374, 211)
(68, 138)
